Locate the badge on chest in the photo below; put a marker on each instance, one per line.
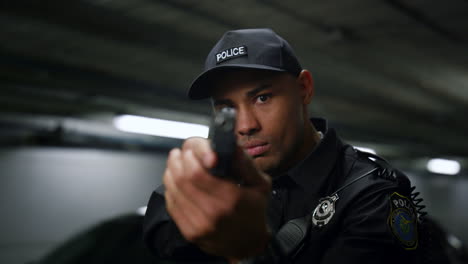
(324, 211)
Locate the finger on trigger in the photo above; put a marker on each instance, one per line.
(174, 162)
(193, 166)
(172, 155)
(202, 150)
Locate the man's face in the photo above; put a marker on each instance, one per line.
(270, 115)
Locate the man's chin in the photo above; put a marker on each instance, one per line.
(264, 164)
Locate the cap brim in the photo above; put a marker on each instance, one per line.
(200, 88)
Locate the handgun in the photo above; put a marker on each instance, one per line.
(223, 142)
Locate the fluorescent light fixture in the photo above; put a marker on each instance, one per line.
(141, 210)
(160, 127)
(363, 149)
(443, 166)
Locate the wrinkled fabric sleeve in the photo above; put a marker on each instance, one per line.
(163, 238)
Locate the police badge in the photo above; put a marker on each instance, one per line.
(324, 211)
(403, 221)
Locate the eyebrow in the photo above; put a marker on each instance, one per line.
(222, 102)
(250, 93)
(257, 90)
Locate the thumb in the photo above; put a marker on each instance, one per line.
(244, 166)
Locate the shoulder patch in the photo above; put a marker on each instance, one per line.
(402, 221)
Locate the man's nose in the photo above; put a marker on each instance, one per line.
(247, 123)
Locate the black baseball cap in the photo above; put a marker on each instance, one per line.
(259, 48)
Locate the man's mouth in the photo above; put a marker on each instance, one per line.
(256, 148)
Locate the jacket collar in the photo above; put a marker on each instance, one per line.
(312, 172)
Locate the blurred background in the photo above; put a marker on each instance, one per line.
(77, 76)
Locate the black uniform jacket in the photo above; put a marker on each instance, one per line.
(375, 220)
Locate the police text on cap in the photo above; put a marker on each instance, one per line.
(231, 53)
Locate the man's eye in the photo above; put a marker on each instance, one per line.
(263, 98)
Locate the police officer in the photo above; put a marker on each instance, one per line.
(306, 197)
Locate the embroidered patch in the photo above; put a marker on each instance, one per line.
(231, 54)
(403, 221)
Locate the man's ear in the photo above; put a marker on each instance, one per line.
(307, 86)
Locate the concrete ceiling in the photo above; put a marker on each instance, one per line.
(392, 74)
